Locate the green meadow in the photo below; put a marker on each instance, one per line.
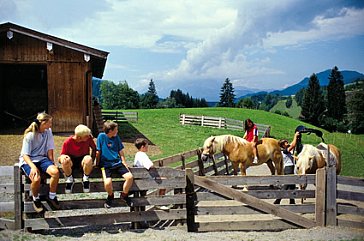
(163, 129)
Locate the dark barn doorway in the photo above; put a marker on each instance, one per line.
(23, 93)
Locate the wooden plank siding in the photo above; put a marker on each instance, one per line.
(68, 74)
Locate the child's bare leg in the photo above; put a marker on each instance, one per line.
(128, 182)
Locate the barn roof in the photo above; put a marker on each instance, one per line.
(98, 57)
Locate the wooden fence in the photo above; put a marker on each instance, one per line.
(76, 208)
(209, 200)
(221, 122)
(119, 116)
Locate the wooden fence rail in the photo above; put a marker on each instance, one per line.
(221, 122)
(119, 116)
(204, 195)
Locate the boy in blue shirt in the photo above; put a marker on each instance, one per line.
(110, 157)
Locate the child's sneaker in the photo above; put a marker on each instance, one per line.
(69, 184)
(109, 201)
(37, 205)
(126, 199)
(86, 184)
(54, 203)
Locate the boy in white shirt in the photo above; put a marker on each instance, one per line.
(142, 160)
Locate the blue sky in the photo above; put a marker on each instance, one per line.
(196, 45)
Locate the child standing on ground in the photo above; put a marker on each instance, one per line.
(110, 156)
(142, 160)
(288, 163)
(37, 156)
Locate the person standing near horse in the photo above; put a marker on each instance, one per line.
(288, 163)
(75, 154)
(110, 156)
(251, 135)
(37, 156)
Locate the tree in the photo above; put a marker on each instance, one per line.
(299, 96)
(227, 94)
(356, 111)
(118, 96)
(185, 100)
(245, 103)
(313, 103)
(336, 105)
(289, 102)
(150, 99)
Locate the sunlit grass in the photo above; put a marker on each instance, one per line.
(162, 128)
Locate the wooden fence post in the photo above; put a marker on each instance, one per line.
(202, 119)
(18, 202)
(183, 119)
(331, 210)
(183, 160)
(201, 169)
(191, 199)
(320, 195)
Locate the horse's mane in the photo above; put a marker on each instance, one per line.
(233, 139)
(309, 150)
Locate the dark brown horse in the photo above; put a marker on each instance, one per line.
(240, 152)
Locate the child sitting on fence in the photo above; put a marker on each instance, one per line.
(288, 163)
(142, 160)
(75, 154)
(110, 156)
(37, 156)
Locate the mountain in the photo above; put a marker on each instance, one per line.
(348, 75)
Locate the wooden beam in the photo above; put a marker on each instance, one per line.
(254, 202)
(320, 196)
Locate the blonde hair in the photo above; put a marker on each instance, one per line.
(82, 130)
(34, 126)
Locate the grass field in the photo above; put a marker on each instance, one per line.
(294, 111)
(162, 128)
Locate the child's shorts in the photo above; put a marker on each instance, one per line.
(106, 172)
(41, 165)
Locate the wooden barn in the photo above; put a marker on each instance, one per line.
(40, 72)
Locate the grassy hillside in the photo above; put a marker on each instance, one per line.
(294, 111)
(162, 128)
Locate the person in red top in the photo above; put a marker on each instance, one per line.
(251, 135)
(76, 154)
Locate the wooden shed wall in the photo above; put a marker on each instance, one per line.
(68, 76)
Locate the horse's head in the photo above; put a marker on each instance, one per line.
(208, 149)
(307, 161)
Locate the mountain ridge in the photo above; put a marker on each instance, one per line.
(349, 76)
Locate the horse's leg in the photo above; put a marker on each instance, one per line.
(235, 171)
(271, 166)
(278, 162)
(235, 168)
(243, 173)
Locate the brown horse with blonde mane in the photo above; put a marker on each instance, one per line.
(240, 152)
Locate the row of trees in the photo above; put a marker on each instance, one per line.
(328, 107)
(121, 96)
(331, 110)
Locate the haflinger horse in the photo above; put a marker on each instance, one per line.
(312, 158)
(240, 152)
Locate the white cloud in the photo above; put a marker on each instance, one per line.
(349, 22)
(239, 50)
